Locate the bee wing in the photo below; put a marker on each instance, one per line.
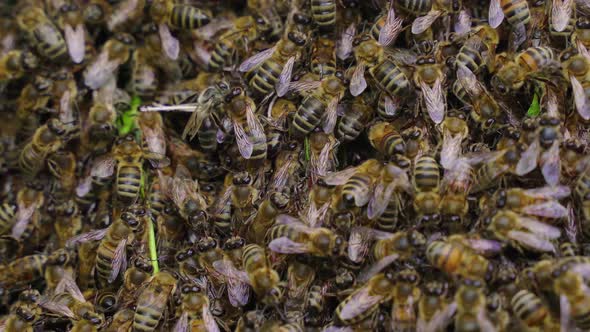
(564, 313)
(281, 176)
(451, 148)
(95, 235)
(209, 320)
(580, 98)
(549, 209)
(75, 41)
(372, 270)
(57, 308)
(422, 23)
(391, 28)
(285, 77)
(358, 84)
(223, 201)
(245, 145)
(100, 71)
(103, 167)
(284, 245)
(468, 80)
(315, 216)
(304, 86)
(256, 59)
(358, 244)
(528, 159)
(322, 162)
(556, 192)
(531, 241)
(434, 99)
(358, 303)
(228, 270)
(441, 319)
(201, 112)
(484, 322)
(380, 199)
(332, 328)
(495, 14)
(68, 284)
(571, 226)
(344, 45)
(122, 14)
(330, 116)
(84, 186)
(182, 323)
(392, 105)
(561, 11)
(254, 123)
(23, 216)
(340, 177)
(484, 247)
(541, 229)
(170, 44)
(463, 23)
(65, 107)
(372, 233)
(551, 164)
(119, 261)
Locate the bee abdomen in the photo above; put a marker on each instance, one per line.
(390, 78)
(146, 318)
(426, 174)
(308, 116)
(324, 12)
(516, 11)
(188, 17)
(128, 183)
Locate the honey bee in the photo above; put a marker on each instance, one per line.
(494, 168)
(269, 209)
(320, 106)
(115, 52)
(386, 139)
(471, 306)
(195, 308)
(71, 304)
(70, 20)
(16, 63)
(153, 300)
(323, 57)
(531, 310)
(516, 12)
(23, 270)
(429, 77)
(25, 313)
(134, 277)
(575, 66)
(62, 165)
(46, 140)
(59, 265)
(364, 301)
(532, 63)
(539, 202)
(426, 181)
(579, 36)
(291, 236)
(28, 201)
(370, 53)
(144, 80)
(127, 159)
(439, 9)
(258, 273)
(322, 159)
(42, 32)
(544, 149)
(122, 321)
(432, 304)
(461, 256)
(100, 130)
(573, 293)
(523, 232)
(405, 296)
(166, 13)
(354, 119)
(271, 69)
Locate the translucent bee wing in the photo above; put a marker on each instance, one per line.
(495, 14)
(304, 86)
(285, 219)
(571, 226)
(451, 148)
(100, 71)
(284, 245)
(228, 270)
(254, 123)
(582, 48)
(561, 11)
(23, 216)
(170, 44)
(442, 318)
(75, 42)
(315, 216)
(201, 112)
(256, 59)
(285, 77)
(332, 328)
(434, 99)
(119, 261)
(68, 284)
(84, 186)
(392, 106)
(281, 175)
(358, 244)
(358, 303)
(580, 98)
(322, 162)
(556, 192)
(372, 233)
(564, 313)
(344, 45)
(330, 116)
(57, 308)
(372, 270)
(209, 320)
(358, 84)
(95, 235)
(238, 292)
(519, 36)
(391, 28)
(244, 142)
(122, 14)
(551, 165)
(485, 325)
(340, 177)
(468, 80)
(65, 107)
(182, 323)
(528, 159)
(103, 167)
(549, 209)
(539, 228)
(463, 23)
(531, 241)
(422, 23)
(484, 247)
(380, 199)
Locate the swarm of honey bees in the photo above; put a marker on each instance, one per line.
(294, 165)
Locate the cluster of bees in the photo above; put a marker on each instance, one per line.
(321, 165)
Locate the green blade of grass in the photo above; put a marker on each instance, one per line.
(307, 149)
(152, 246)
(128, 120)
(535, 107)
